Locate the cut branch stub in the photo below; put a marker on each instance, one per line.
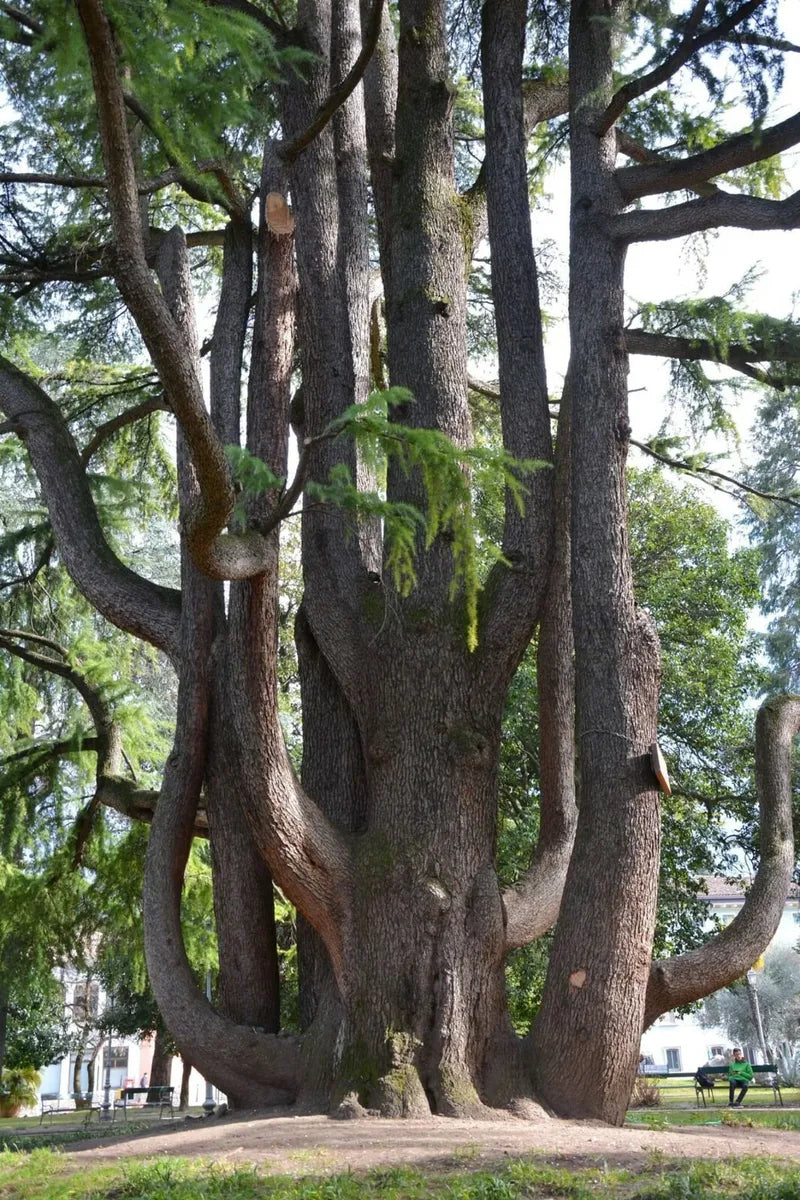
(279, 216)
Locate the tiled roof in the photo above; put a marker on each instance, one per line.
(728, 888)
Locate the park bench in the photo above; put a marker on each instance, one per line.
(145, 1099)
(765, 1075)
(53, 1103)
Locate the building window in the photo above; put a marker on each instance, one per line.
(117, 1058)
(673, 1060)
(717, 1052)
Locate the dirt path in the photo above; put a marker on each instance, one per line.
(319, 1145)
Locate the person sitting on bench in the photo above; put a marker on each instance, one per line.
(740, 1074)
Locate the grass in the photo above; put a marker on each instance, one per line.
(45, 1175)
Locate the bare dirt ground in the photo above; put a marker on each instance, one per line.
(313, 1145)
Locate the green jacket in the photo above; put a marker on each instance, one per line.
(742, 1072)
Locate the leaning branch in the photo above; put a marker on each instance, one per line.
(724, 959)
(738, 212)
(694, 171)
(341, 92)
(221, 556)
(691, 44)
(702, 472)
(112, 426)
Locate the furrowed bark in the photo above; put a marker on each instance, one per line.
(350, 150)
(426, 300)
(380, 102)
(726, 958)
(515, 593)
(123, 597)
(227, 343)
(532, 905)
(589, 1025)
(335, 573)
(542, 101)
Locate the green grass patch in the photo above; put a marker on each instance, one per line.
(662, 1118)
(46, 1175)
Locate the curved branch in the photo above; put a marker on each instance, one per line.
(112, 426)
(690, 45)
(341, 91)
(670, 175)
(739, 212)
(257, 1068)
(123, 597)
(723, 960)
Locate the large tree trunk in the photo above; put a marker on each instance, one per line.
(586, 1037)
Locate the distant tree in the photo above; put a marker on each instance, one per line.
(778, 988)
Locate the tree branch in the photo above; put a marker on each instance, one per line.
(739, 358)
(641, 154)
(739, 212)
(112, 426)
(692, 172)
(701, 472)
(341, 91)
(689, 46)
(123, 597)
(724, 959)
(221, 556)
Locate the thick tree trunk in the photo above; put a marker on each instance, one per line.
(586, 1037)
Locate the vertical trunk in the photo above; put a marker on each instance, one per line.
(424, 938)
(3, 1028)
(586, 1037)
(161, 1068)
(76, 1072)
(243, 904)
(186, 1072)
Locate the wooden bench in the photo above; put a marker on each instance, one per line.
(144, 1099)
(768, 1073)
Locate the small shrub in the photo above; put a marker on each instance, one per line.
(645, 1093)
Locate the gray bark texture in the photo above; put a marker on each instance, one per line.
(386, 843)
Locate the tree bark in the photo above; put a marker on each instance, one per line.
(585, 1041)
